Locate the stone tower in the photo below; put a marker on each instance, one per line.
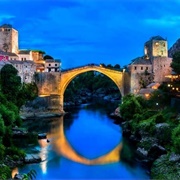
(156, 47)
(8, 38)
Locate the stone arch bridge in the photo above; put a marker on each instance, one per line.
(54, 84)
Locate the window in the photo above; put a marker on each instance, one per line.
(49, 64)
(146, 68)
(135, 68)
(141, 68)
(49, 69)
(55, 64)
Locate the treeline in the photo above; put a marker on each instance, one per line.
(13, 94)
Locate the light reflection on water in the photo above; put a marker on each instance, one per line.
(86, 147)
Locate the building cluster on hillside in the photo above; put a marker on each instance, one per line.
(146, 73)
(152, 69)
(26, 61)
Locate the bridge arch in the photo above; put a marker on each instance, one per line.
(67, 76)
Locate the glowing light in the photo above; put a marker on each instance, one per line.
(169, 85)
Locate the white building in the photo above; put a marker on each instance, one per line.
(52, 65)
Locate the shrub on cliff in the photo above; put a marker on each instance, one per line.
(176, 139)
(132, 105)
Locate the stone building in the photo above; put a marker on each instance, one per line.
(52, 65)
(26, 69)
(8, 38)
(153, 66)
(25, 55)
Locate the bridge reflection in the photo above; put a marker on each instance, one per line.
(63, 147)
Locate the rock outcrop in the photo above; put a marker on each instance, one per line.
(174, 48)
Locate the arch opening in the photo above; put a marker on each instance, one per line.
(89, 84)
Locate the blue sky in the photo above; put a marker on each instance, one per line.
(91, 31)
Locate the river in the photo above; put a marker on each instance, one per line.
(84, 144)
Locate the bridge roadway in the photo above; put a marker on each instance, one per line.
(54, 84)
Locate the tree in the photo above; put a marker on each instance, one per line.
(10, 82)
(47, 57)
(117, 66)
(176, 62)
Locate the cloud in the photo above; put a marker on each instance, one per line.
(6, 18)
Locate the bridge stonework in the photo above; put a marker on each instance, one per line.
(54, 84)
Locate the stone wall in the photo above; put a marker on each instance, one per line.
(161, 68)
(48, 82)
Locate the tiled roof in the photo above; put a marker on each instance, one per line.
(24, 51)
(11, 54)
(141, 60)
(21, 62)
(2, 52)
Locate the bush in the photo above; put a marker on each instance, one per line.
(5, 172)
(15, 152)
(2, 151)
(159, 119)
(2, 127)
(176, 139)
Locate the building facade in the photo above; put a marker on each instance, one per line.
(153, 66)
(52, 65)
(8, 38)
(26, 70)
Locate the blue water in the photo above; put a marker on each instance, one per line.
(91, 134)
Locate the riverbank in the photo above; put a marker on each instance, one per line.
(153, 144)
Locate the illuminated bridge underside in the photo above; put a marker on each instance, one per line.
(63, 148)
(67, 76)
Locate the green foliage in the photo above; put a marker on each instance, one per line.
(176, 139)
(2, 151)
(7, 115)
(7, 138)
(10, 82)
(5, 172)
(15, 152)
(132, 105)
(159, 96)
(147, 125)
(176, 62)
(47, 57)
(2, 127)
(30, 175)
(159, 119)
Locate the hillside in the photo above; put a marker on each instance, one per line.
(175, 47)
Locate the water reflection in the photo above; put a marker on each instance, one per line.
(62, 147)
(84, 145)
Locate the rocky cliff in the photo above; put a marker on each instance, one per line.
(175, 47)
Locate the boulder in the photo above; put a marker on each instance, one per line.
(32, 158)
(156, 151)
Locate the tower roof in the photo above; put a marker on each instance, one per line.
(158, 38)
(6, 26)
(141, 61)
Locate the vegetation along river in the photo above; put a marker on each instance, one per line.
(84, 144)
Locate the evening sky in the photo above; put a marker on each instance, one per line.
(80, 32)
